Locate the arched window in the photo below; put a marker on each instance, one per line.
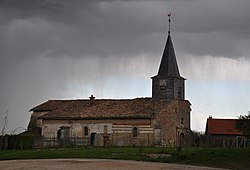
(59, 134)
(135, 131)
(86, 131)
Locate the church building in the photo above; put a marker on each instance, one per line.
(160, 120)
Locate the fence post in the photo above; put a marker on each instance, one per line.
(5, 141)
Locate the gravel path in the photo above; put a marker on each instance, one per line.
(92, 164)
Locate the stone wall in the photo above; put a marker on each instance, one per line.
(175, 123)
(174, 88)
(103, 132)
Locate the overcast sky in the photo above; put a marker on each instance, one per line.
(69, 49)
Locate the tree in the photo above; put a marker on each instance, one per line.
(5, 122)
(243, 124)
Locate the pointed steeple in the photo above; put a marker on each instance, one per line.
(168, 66)
(168, 84)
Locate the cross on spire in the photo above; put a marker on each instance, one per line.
(169, 20)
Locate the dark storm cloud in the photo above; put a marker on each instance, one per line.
(75, 29)
(121, 28)
(214, 16)
(217, 28)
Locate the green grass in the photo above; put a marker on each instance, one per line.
(212, 157)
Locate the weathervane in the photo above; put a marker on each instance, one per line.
(169, 15)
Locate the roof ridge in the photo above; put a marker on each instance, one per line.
(220, 119)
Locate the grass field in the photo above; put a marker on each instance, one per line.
(212, 157)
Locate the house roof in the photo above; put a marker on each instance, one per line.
(221, 127)
(100, 108)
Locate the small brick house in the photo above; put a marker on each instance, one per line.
(163, 119)
(223, 133)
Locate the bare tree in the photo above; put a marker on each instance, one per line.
(5, 122)
(243, 124)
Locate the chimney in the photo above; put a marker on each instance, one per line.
(210, 117)
(92, 99)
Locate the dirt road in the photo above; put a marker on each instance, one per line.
(91, 164)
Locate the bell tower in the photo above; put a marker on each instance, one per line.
(168, 84)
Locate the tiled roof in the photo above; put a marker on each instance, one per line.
(59, 104)
(222, 127)
(101, 108)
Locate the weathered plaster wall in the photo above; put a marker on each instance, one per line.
(119, 132)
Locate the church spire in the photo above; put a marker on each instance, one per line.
(168, 84)
(168, 66)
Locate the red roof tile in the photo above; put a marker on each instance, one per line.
(222, 127)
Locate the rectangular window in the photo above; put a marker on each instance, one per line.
(179, 93)
(182, 120)
(105, 129)
(86, 131)
(135, 131)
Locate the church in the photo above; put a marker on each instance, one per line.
(160, 120)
